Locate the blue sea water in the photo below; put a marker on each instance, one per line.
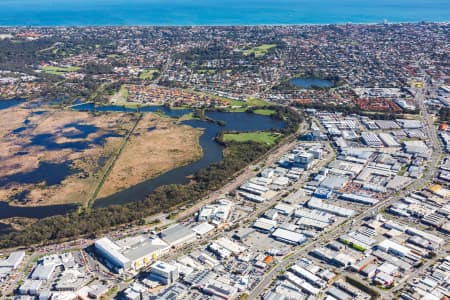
(218, 12)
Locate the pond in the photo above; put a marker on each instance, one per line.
(308, 83)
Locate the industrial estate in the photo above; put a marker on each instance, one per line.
(287, 162)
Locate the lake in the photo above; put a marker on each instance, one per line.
(214, 12)
(4, 104)
(307, 83)
(212, 153)
(54, 173)
(7, 211)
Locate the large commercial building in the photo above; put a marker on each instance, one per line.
(164, 273)
(131, 253)
(13, 261)
(177, 235)
(371, 139)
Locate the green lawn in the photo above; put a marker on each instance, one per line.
(121, 96)
(240, 106)
(263, 137)
(59, 70)
(206, 71)
(148, 74)
(264, 112)
(260, 50)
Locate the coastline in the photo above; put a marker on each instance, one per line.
(149, 25)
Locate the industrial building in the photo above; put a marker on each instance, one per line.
(288, 236)
(371, 139)
(388, 140)
(359, 199)
(13, 261)
(316, 203)
(177, 235)
(215, 213)
(130, 254)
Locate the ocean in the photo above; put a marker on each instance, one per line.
(215, 12)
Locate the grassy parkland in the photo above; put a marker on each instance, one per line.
(263, 137)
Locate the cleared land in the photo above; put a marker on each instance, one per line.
(121, 96)
(59, 70)
(260, 50)
(76, 145)
(263, 137)
(148, 74)
(157, 145)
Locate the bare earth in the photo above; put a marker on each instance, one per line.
(75, 188)
(150, 152)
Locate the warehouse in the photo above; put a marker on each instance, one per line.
(252, 197)
(252, 188)
(388, 140)
(389, 246)
(289, 237)
(264, 225)
(316, 203)
(203, 228)
(316, 215)
(301, 283)
(334, 182)
(284, 209)
(177, 235)
(371, 139)
(13, 261)
(306, 223)
(366, 200)
(308, 276)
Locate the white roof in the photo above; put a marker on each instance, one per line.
(289, 235)
(203, 228)
(164, 267)
(112, 249)
(286, 208)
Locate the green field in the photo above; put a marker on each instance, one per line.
(260, 50)
(263, 137)
(121, 96)
(206, 71)
(59, 70)
(264, 112)
(240, 106)
(148, 74)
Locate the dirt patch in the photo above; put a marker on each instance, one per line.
(156, 146)
(76, 144)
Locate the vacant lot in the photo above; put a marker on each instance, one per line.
(59, 70)
(260, 50)
(263, 137)
(157, 145)
(148, 74)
